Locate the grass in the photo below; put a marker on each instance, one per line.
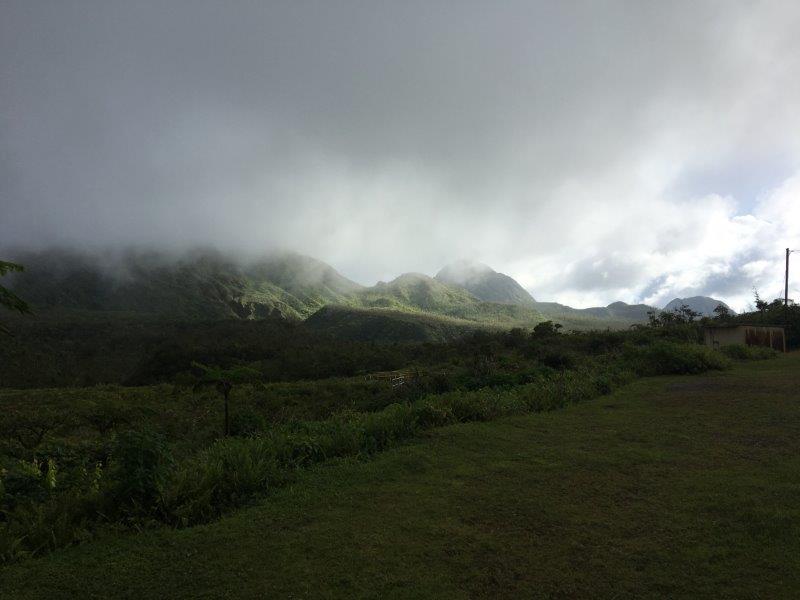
(670, 487)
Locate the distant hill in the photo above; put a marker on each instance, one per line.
(485, 283)
(620, 312)
(700, 304)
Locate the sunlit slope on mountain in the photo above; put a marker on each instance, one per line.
(304, 283)
(417, 292)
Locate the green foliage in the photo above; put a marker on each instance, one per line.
(722, 313)
(742, 352)
(224, 380)
(546, 329)
(29, 429)
(109, 415)
(135, 456)
(683, 315)
(558, 359)
(140, 464)
(669, 358)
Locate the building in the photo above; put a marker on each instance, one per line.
(748, 335)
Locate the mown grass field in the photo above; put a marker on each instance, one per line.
(670, 487)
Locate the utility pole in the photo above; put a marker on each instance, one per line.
(786, 288)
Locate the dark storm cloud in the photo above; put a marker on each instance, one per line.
(397, 136)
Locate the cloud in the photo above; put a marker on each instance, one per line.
(587, 149)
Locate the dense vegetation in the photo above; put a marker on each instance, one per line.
(71, 349)
(79, 461)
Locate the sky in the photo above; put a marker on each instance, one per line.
(595, 151)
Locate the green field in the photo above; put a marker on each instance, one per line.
(680, 486)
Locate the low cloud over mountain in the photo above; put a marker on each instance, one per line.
(592, 151)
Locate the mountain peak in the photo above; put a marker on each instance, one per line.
(704, 305)
(465, 270)
(484, 283)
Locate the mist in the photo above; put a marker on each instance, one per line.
(593, 151)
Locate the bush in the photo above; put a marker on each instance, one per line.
(140, 463)
(106, 416)
(35, 528)
(40, 511)
(742, 352)
(247, 422)
(225, 475)
(558, 359)
(670, 358)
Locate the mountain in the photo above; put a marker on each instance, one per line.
(412, 292)
(303, 283)
(700, 304)
(201, 284)
(485, 283)
(207, 285)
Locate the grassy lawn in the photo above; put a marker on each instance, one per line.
(672, 487)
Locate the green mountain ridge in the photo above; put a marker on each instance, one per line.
(205, 284)
(202, 284)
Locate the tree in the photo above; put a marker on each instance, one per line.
(761, 305)
(722, 313)
(9, 299)
(546, 329)
(224, 380)
(686, 314)
(672, 318)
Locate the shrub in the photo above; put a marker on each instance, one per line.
(140, 462)
(30, 430)
(35, 528)
(670, 358)
(247, 422)
(225, 475)
(558, 359)
(105, 416)
(742, 352)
